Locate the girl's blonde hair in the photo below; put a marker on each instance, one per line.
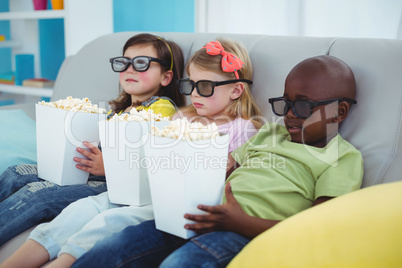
(244, 106)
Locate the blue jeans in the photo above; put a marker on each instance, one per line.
(145, 246)
(26, 200)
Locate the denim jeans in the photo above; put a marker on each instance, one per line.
(145, 246)
(81, 224)
(26, 200)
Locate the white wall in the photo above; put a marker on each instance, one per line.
(343, 18)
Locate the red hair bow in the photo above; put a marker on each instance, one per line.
(230, 63)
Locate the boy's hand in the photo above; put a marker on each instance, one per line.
(226, 217)
(94, 163)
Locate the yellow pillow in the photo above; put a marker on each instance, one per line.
(360, 229)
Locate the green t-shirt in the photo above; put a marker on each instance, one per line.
(278, 178)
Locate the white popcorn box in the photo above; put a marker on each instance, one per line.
(182, 175)
(58, 134)
(126, 176)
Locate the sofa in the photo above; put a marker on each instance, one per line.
(374, 123)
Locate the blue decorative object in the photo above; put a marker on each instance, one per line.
(24, 68)
(18, 139)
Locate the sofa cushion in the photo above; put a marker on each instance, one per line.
(17, 139)
(360, 229)
(374, 124)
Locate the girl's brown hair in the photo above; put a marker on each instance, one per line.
(164, 50)
(243, 107)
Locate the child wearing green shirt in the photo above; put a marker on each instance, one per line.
(282, 170)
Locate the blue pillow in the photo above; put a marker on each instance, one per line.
(17, 139)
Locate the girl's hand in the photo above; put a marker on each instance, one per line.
(94, 163)
(227, 217)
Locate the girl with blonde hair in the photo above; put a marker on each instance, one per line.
(220, 75)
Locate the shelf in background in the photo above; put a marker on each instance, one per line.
(38, 14)
(33, 91)
(10, 43)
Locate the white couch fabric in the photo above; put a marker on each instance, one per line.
(373, 125)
